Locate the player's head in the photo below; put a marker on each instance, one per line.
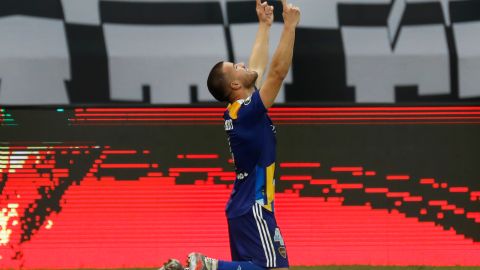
(228, 81)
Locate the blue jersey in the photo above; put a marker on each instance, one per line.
(251, 135)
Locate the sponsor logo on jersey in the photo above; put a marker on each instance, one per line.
(228, 125)
(242, 176)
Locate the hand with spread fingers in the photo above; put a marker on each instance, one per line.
(291, 14)
(264, 12)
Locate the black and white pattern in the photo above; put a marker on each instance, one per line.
(159, 52)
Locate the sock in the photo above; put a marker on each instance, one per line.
(224, 265)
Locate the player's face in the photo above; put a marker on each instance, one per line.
(240, 73)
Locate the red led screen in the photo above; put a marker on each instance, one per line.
(371, 186)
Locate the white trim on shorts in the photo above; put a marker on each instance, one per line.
(265, 237)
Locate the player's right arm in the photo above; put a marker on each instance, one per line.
(282, 59)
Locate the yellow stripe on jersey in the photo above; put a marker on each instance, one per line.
(270, 187)
(233, 109)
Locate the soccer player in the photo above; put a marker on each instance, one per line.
(255, 239)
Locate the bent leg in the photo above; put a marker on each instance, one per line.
(255, 237)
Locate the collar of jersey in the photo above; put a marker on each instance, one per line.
(233, 108)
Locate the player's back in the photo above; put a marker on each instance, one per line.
(251, 136)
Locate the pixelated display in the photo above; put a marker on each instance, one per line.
(332, 115)
(131, 187)
(6, 118)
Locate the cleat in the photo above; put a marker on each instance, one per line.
(172, 264)
(197, 261)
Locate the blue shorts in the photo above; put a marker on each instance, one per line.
(255, 237)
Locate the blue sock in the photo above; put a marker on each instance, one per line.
(224, 265)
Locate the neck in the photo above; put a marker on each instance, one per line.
(243, 93)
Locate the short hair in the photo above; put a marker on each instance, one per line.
(217, 83)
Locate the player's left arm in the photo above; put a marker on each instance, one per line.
(259, 58)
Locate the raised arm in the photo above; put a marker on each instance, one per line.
(282, 59)
(259, 58)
